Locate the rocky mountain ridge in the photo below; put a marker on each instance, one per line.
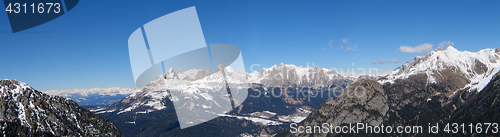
(297, 76)
(469, 70)
(25, 111)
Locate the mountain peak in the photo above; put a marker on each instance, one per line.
(439, 49)
(171, 70)
(451, 49)
(474, 69)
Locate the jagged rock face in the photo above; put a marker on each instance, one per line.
(28, 112)
(291, 75)
(362, 97)
(362, 101)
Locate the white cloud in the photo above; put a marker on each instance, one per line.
(344, 41)
(344, 44)
(386, 61)
(330, 44)
(446, 43)
(418, 49)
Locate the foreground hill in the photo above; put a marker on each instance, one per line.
(25, 111)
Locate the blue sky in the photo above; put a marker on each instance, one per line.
(87, 47)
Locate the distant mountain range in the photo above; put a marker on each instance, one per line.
(444, 86)
(150, 112)
(95, 96)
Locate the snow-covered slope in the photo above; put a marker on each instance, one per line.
(23, 107)
(201, 91)
(195, 83)
(471, 70)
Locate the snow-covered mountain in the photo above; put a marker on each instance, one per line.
(291, 75)
(194, 83)
(25, 111)
(94, 96)
(469, 70)
(444, 86)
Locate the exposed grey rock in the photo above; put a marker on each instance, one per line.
(362, 101)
